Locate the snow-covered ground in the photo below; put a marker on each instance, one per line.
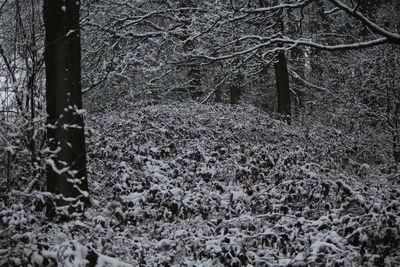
(212, 185)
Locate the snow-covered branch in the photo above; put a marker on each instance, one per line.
(298, 4)
(271, 44)
(393, 38)
(351, 46)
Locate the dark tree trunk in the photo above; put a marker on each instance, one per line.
(282, 84)
(234, 93)
(218, 95)
(235, 89)
(66, 171)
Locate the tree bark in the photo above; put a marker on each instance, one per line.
(282, 84)
(66, 170)
(234, 94)
(235, 89)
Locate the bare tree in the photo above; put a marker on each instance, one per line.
(66, 171)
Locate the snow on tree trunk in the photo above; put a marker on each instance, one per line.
(282, 84)
(66, 170)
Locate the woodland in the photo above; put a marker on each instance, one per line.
(199, 133)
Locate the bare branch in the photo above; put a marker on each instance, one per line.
(277, 7)
(8, 65)
(392, 38)
(2, 6)
(313, 86)
(352, 46)
(292, 43)
(333, 10)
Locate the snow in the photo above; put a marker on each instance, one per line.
(9, 149)
(358, 15)
(53, 166)
(68, 34)
(105, 261)
(200, 203)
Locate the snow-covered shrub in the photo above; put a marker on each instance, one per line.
(212, 185)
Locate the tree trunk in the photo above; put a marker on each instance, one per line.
(194, 84)
(193, 73)
(235, 89)
(234, 93)
(282, 84)
(66, 171)
(218, 95)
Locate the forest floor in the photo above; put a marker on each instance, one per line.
(214, 185)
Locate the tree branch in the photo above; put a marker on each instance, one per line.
(293, 43)
(277, 7)
(353, 46)
(392, 38)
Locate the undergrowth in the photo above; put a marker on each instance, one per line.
(212, 185)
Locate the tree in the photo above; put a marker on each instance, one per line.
(66, 170)
(155, 44)
(282, 84)
(128, 43)
(21, 89)
(235, 88)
